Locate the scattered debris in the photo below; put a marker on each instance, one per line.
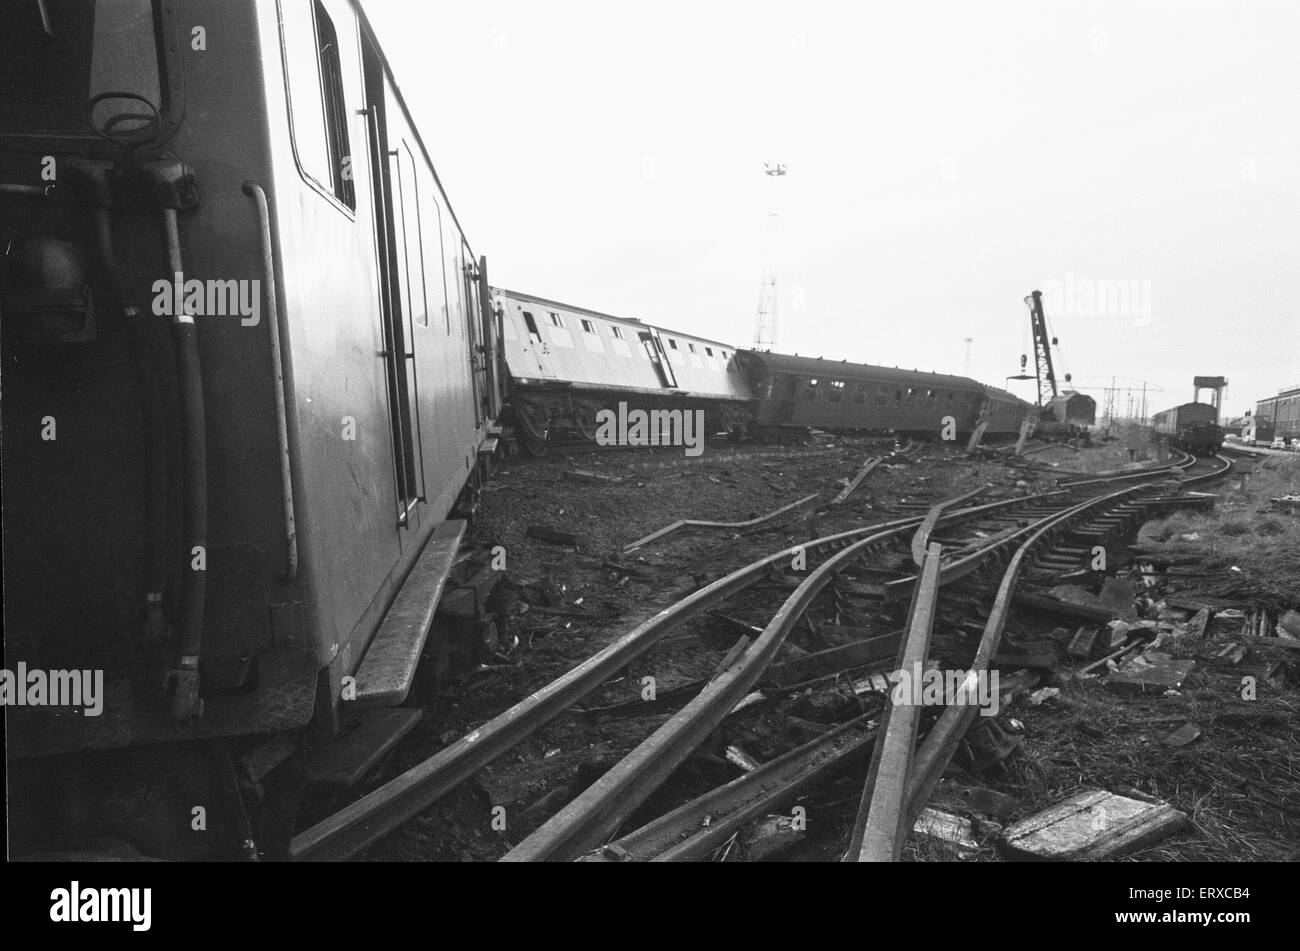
(1150, 672)
(771, 836)
(954, 832)
(954, 797)
(1091, 825)
(1187, 733)
(1038, 697)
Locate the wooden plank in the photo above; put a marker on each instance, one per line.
(1091, 825)
(386, 673)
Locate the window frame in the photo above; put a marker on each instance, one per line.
(325, 191)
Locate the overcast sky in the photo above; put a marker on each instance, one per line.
(944, 160)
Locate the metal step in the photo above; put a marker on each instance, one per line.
(344, 760)
(387, 671)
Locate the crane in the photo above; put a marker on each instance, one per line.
(1045, 373)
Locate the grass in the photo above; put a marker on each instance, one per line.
(1243, 532)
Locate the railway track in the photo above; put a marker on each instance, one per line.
(865, 570)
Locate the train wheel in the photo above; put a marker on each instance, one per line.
(533, 421)
(584, 420)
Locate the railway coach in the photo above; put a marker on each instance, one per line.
(1192, 427)
(566, 364)
(250, 379)
(794, 392)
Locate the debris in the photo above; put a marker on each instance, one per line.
(1053, 605)
(1196, 626)
(555, 536)
(738, 757)
(1116, 594)
(1091, 825)
(1289, 624)
(1187, 733)
(1149, 672)
(770, 836)
(954, 832)
(989, 744)
(1082, 643)
(1042, 655)
(1273, 642)
(1046, 693)
(955, 797)
(1230, 656)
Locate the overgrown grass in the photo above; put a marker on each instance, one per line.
(1244, 532)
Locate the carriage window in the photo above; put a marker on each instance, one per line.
(709, 351)
(861, 395)
(810, 395)
(556, 319)
(672, 343)
(588, 326)
(336, 113)
(836, 394)
(898, 396)
(616, 332)
(319, 115)
(691, 347)
(533, 332)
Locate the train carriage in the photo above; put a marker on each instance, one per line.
(249, 376)
(565, 364)
(811, 392)
(1192, 427)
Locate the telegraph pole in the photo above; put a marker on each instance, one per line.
(765, 325)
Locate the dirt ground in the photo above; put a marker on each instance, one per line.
(1239, 781)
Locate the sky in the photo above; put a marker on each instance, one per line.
(1138, 162)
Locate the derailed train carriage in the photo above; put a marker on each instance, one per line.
(243, 513)
(566, 364)
(793, 392)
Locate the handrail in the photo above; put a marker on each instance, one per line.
(255, 191)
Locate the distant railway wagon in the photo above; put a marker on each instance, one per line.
(795, 391)
(565, 364)
(1282, 413)
(1071, 408)
(1191, 427)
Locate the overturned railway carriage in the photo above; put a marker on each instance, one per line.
(1192, 427)
(793, 392)
(566, 364)
(249, 373)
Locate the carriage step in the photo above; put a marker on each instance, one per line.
(387, 671)
(364, 740)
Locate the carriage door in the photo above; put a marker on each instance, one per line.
(474, 328)
(393, 291)
(654, 351)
